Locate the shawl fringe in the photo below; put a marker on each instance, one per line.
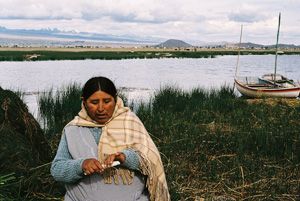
(125, 174)
(155, 187)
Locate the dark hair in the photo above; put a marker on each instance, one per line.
(99, 84)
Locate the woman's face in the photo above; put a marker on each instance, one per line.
(100, 106)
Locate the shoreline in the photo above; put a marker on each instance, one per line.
(141, 49)
(45, 54)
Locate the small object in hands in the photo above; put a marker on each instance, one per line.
(115, 163)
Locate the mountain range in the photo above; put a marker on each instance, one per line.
(258, 46)
(75, 35)
(59, 37)
(180, 43)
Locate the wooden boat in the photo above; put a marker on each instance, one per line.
(268, 85)
(256, 87)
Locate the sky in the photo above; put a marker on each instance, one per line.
(192, 21)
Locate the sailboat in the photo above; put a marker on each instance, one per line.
(269, 85)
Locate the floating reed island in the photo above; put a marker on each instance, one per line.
(42, 54)
(214, 144)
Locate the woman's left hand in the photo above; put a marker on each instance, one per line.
(114, 157)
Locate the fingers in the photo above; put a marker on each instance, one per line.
(109, 160)
(121, 157)
(114, 157)
(91, 166)
(99, 166)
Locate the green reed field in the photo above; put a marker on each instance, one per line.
(214, 144)
(13, 55)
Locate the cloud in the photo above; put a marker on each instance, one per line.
(247, 13)
(147, 11)
(134, 11)
(212, 20)
(38, 10)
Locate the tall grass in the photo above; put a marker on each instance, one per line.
(216, 144)
(213, 143)
(118, 55)
(57, 108)
(57, 55)
(7, 183)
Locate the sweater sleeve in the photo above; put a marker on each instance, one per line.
(64, 168)
(132, 160)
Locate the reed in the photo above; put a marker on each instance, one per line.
(118, 55)
(216, 144)
(213, 143)
(57, 107)
(7, 182)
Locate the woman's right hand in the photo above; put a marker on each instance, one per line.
(91, 166)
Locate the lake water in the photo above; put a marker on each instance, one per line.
(141, 76)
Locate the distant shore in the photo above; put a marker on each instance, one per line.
(145, 49)
(45, 53)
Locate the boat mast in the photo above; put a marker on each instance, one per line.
(276, 50)
(237, 63)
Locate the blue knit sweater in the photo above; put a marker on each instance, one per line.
(65, 169)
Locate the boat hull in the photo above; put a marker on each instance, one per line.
(256, 92)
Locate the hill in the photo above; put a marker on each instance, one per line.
(250, 45)
(286, 46)
(174, 43)
(258, 46)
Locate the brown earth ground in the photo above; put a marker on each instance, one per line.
(274, 101)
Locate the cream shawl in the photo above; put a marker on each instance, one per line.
(125, 130)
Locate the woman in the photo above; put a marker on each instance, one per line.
(103, 132)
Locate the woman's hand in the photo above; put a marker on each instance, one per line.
(114, 157)
(91, 166)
